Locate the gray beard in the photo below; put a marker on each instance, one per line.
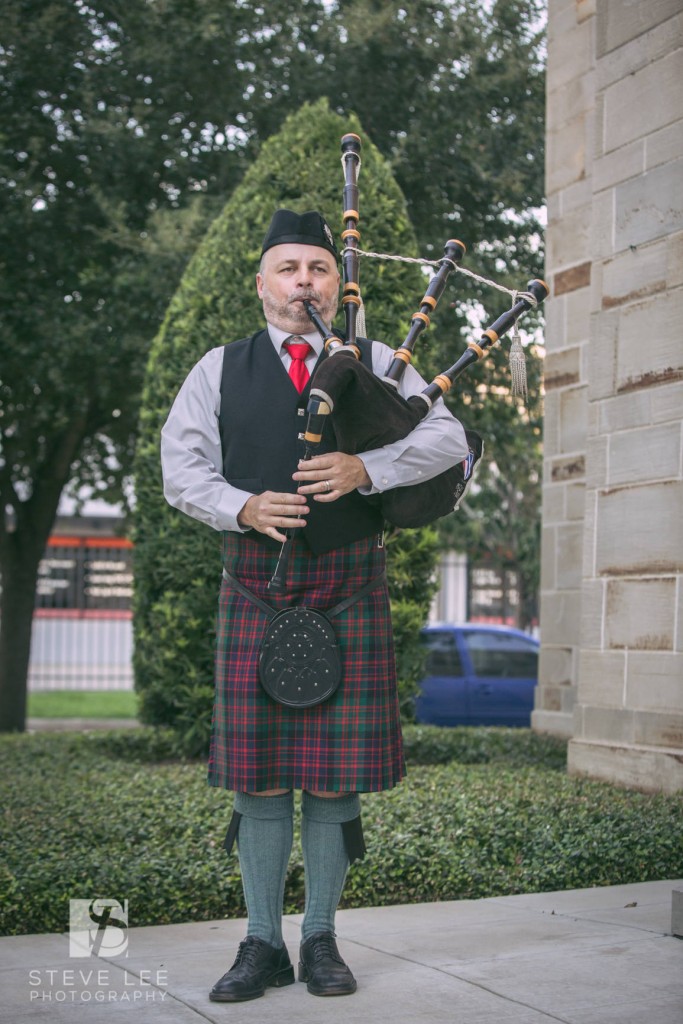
(293, 316)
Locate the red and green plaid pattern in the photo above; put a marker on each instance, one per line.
(350, 743)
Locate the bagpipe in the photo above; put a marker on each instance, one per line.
(368, 412)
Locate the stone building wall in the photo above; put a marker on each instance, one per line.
(612, 561)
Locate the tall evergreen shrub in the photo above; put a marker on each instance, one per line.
(177, 560)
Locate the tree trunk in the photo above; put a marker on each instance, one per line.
(19, 568)
(21, 550)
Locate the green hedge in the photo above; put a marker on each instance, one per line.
(177, 560)
(95, 815)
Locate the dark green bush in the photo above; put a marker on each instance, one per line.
(177, 560)
(429, 744)
(90, 815)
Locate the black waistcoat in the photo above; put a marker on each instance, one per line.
(260, 419)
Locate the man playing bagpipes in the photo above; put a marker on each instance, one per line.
(303, 702)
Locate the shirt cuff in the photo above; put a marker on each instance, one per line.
(382, 473)
(231, 505)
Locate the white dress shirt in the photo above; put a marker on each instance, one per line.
(192, 460)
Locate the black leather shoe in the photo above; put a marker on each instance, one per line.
(321, 966)
(257, 966)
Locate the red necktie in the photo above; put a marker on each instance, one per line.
(298, 350)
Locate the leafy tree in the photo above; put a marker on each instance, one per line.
(117, 117)
(177, 561)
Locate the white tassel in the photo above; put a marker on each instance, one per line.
(361, 329)
(517, 360)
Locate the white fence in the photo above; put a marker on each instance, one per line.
(81, 653)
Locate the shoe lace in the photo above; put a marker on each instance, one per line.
(325, 947)
(248, 952)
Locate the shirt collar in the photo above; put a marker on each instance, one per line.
(278, 336)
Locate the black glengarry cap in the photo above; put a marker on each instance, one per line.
(309, 228)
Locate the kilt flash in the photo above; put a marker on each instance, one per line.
(352, 742)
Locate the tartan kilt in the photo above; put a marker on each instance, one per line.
(350, 743)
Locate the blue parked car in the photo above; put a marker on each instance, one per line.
(477, 675)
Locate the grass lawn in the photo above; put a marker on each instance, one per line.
(82, 704)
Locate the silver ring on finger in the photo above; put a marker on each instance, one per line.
(328, 485)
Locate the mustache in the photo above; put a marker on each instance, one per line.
(308, 293)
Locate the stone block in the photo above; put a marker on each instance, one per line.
(620, 21)
(565, 153)
(578, 316)
(569, 555)
(568, 695)
(556, 666)
(651, 46)
(578, 194)
(624, 412)
(634, 274)
(595, 301)
(597, 449)
(649, 206)
(644, 102)
(569, 467)
(551, 426)
(619, 165)
(553, 207)
(560, 614)
(552, 723)
(639, 614)
(648, 453)
(553, 504)
(677, 913)
(573, 419)
(640, 530)
(571, 279)
(570, 50)
(549, 557)
(575, 498)
(569, 242)
(678, 635)
(562, 369)
(608, 725)
(592, 614)
(555, 330)
(602, 225)
(602, 355)
(666, 403)
(561, 19)
(589, 520)
(548, 698)
(653, 681)
(597, 143)
(593, 416)
(658, 729)
(664, 145)
(650, 351)
(601, 680)
(636, 767)
(569, 102)
(674, 266)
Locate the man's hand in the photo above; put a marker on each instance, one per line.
(327, 477)
(272, 512)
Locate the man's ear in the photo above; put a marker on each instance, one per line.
(259, 286)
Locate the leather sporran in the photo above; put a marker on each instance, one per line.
(299, 660)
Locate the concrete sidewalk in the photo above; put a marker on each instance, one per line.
(594, 956)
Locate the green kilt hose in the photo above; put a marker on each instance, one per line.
(350, 743)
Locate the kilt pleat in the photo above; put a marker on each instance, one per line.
(350, 743)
